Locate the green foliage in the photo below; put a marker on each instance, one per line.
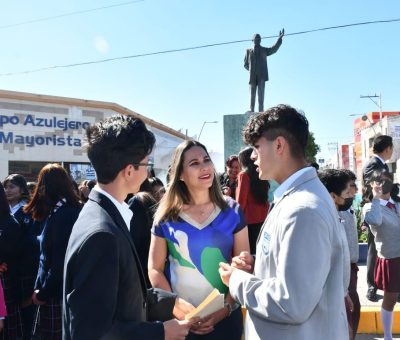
(362, 234)
(312, 148)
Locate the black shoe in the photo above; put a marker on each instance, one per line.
(371, 294)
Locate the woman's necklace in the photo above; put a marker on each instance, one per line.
(200, 211)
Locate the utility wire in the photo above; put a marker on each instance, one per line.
(69, 14)
(192, 48)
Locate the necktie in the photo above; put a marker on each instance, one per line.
(391, 205)
(385, 166)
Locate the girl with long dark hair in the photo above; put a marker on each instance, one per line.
(56, 204)
(252, 196)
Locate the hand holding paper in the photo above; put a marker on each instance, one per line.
(211, 304)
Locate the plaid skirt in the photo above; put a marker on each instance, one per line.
(49, 322)
(10, 331)
(387, 274)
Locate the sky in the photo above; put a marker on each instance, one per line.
(321, 73)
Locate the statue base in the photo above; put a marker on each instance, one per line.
(233, 126)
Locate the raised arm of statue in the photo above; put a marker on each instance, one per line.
(275, 48)
(281, 33)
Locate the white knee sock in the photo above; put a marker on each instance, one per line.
(387, 320)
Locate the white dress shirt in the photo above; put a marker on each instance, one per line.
(123, 208)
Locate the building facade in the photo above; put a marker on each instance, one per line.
(365, 132)
(38, 129)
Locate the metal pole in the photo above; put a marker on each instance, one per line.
(198, 138)
(379, 105)
(380, 111)
(337, 152)
(214, 122)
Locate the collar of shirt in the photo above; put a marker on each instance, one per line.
(381, 159)
(384, 202)
(289, 181)
(123, 208)
(15, 208)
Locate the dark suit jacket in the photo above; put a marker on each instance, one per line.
(256, 64)
(53, 245)
(29, 250)
(140, 230)
(10, 233)
(104, 287)
(373, 164)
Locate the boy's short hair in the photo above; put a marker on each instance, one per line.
(115, 142)
(281, 120)
(350, 173)
(335, 181)
(381, 143)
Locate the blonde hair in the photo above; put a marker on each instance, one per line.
(177, 193)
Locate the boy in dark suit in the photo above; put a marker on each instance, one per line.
(105, 293)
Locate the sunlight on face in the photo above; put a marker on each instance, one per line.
(198, 169)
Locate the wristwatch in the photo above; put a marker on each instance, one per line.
(231, 307)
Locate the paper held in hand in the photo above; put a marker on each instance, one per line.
(212, 303)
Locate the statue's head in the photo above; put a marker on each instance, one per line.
(257, 39)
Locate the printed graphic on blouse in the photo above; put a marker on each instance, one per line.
(195, 251)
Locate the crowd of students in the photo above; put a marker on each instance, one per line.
(127, 258)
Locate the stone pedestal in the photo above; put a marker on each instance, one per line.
(233, 126)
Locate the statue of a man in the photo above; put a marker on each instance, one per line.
(255, 61)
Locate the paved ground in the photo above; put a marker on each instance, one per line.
(362, 291)
(362, 288)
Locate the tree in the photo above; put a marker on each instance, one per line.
(312, 148)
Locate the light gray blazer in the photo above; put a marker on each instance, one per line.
(350, 228)
(302, 269)
(385, 225)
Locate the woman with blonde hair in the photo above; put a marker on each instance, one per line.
(196, 227)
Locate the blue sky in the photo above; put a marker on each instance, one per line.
(321, 73)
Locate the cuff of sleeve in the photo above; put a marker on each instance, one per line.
(236, 280)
